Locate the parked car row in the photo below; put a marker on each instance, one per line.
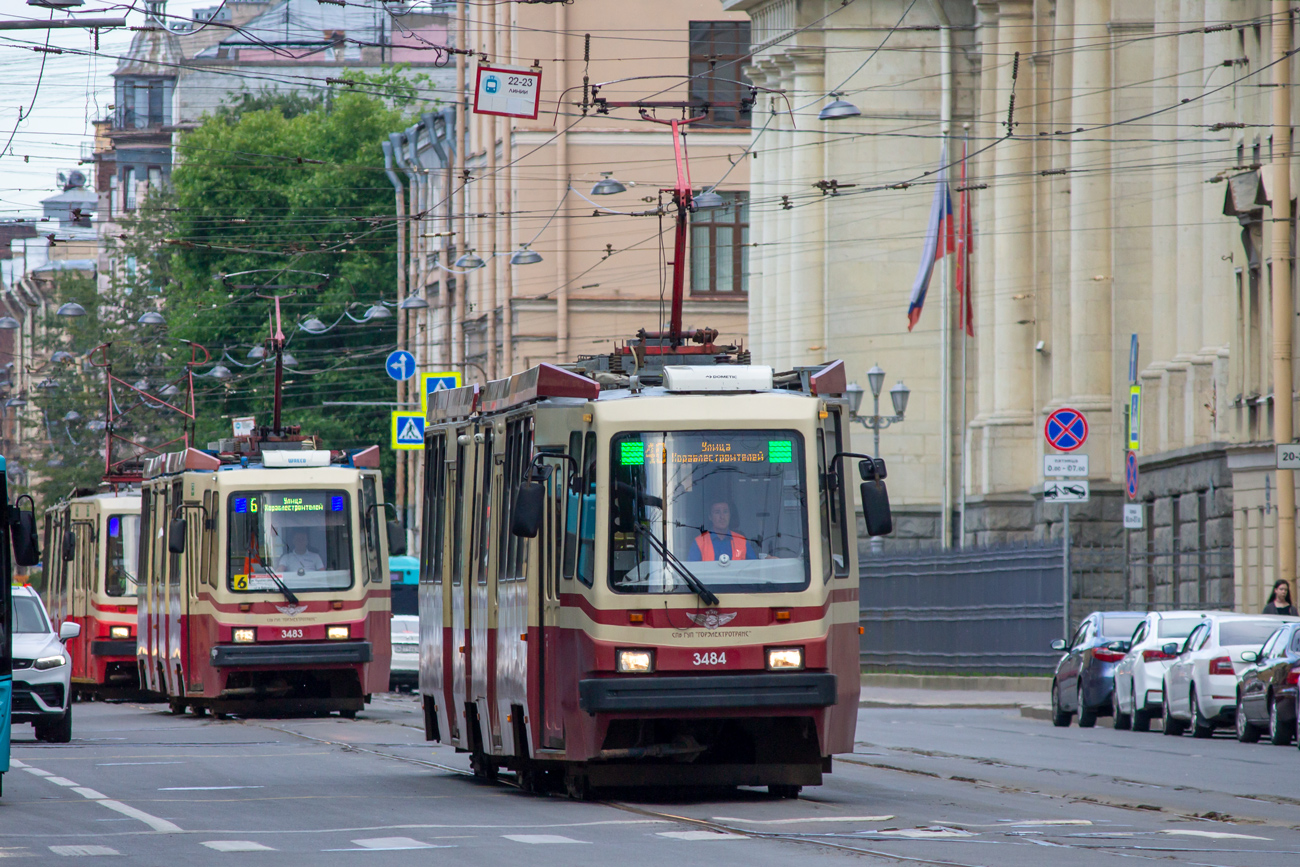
(1197, 670)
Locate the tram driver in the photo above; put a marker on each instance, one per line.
(299, 558)
(719, 539)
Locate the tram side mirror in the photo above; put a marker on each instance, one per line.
(69, 551)
(22, 530)
(872, 469)
(875, 509)
(526, 518)
(176, 536)
(396, 539)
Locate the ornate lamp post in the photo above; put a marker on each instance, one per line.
(898, 395)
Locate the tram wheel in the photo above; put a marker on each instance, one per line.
(578, 787)
(199, 710)
(348, 714)
(176, 706)
(784, 790)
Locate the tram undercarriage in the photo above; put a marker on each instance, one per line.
(254, 692)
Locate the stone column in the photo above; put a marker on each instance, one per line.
(1182, 380)
(782, 248)
(1059, 206)
(805, 246)
(1091, 224)
(1011, 443)
(1163, 341)
(981, 352)
(760, 219)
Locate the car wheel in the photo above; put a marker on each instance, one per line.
(1278, 735)
(1087, 715)
(1201, 727)
(1173, 726)
(1118, 718)
(1060, 718)
(1247, 731)
(1141, 716)
(56, 731)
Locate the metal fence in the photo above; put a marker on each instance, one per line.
(986, 610)
(997, 610)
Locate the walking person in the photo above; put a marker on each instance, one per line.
(1281, 602)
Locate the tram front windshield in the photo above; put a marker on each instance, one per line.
(123, 555)
(302, 538)
(729, 507)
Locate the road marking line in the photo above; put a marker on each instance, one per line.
(118, 764)
(152, 821)
(700, 835)
(206, 788)
(61, 781)
(925, 833)
(83, 850)
(89, 793)
(1215, 835)
(236, 846)
(16, 764)
(392, 843)
(37, 772)
(540, 839)
(801, 821)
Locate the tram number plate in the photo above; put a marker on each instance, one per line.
(290, 633)
(711, 658)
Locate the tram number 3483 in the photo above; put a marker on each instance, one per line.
(713, 658)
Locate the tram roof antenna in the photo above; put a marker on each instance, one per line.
(276, 342)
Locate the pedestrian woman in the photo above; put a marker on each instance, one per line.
(1281, 601)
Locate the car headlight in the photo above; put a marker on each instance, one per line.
(636, 661)
(784, 658)
(119, 632)
(48, 662)
(337, 633)
(245, 636)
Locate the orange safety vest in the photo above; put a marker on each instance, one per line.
(705, 542)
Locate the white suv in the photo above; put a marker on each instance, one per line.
(42, 669)
(1140, 675)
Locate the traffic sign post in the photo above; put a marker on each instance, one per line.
(1134, 417)
(407, 430)
(1055, 491)
(1065, 465)
(1288, 456)
(400, 365)
(439, 380)
(1132, 516)
(1066, 429)
(1131, 475)
(508, 91)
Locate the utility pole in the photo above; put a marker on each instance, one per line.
(1283, 319)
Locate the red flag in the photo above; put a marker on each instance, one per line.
(965, 240)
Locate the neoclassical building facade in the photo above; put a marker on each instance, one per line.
(1120, 179)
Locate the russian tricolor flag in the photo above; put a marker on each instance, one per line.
(940, 240)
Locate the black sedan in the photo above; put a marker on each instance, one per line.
(1266, 689)
(1085, 676)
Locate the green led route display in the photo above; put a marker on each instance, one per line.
(635, 453)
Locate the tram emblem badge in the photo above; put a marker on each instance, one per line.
(711, 619)
(291, 610)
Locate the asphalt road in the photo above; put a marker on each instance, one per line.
(926, 786)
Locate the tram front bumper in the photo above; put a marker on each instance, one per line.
(641, 694)
(331, 653)
(113, 647)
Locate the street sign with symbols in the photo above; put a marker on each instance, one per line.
(1065, 465)
(1066, 429)
(1288, 456)
(1131, 475)
(1132, 516)
(243, 426)
(437, 381)
(1134, 417)
(1065, 492)
(407, 430)
(508, 91)
(400, 365)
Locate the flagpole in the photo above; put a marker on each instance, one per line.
(965, 304)
(945, 377)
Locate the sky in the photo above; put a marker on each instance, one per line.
(73, 90)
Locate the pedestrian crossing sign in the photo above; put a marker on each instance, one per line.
(408, 430)
(439, 380)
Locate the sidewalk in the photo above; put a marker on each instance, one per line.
(1030, 695)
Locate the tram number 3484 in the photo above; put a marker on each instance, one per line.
(713, 658)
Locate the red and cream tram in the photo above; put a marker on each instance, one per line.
(649, 584)
(264, 578)
(91, 562)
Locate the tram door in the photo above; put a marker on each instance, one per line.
(483, 616)
(551, 539)
(461, 482)
(81, 577)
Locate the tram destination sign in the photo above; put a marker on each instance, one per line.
(635, 453)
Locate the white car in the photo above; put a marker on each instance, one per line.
(42, 669)
(404, 671)
(1201, 684)
(1140, 675)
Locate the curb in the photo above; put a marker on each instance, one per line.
(938, 705)
(984, 683)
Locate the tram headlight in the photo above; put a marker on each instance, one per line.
(640, 661)
(784, 658)
(119, 632)
(245, 636)
(48, 662)
(338, 633)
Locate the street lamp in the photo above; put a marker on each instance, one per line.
(151, 317)
(838, 109)
(376, 311)
(220, 372)
(708, 200)
(470, 261)
(71, 310)
(8, 323)
(607, 185)
(525, 256)
(414, 302)
(876, 422)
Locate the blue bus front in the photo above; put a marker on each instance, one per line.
(6, 634)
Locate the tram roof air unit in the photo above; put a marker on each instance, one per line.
(714, 378)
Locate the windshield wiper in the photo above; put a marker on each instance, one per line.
(281, 586)
(698, 586)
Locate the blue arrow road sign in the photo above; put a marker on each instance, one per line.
(400, 365)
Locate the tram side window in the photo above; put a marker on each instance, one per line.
(370, 521)
(519, 449)
(435, 473)
(835, 511)
(458, 515)
(174, 560)
(580, 514)
(146, 538)
(484, 513)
